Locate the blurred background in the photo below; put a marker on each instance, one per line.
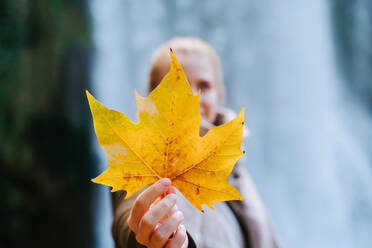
(302, 69)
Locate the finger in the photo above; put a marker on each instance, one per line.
(145, 199)
(171, 190)
(165, 230)
(186, 242)
(173, 210)
(153, 216)
(180, 239)
(170, 213)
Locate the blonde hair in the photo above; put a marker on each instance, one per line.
(185, 46)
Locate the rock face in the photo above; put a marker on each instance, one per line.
(353, 33)
(45, 158)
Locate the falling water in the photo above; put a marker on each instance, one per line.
(311, 138)
(108, 75)
(313, 172)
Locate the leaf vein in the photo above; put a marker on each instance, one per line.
(206, 158)
(205, 187)
(143, 161)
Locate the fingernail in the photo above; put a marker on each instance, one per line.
(172, 197)
(165, 181)
(180, 215)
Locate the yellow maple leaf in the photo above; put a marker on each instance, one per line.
(166, 143)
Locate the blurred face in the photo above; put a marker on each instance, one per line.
(201, 76)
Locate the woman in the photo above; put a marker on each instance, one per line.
(149, 220)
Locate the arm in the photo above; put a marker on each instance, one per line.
(123, 236)
(252, 212)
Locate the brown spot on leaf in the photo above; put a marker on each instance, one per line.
(178, 153)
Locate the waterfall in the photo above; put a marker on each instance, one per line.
(312, 170)
(108, 77)
(309, 150)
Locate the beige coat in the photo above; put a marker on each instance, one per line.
(251, 216)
